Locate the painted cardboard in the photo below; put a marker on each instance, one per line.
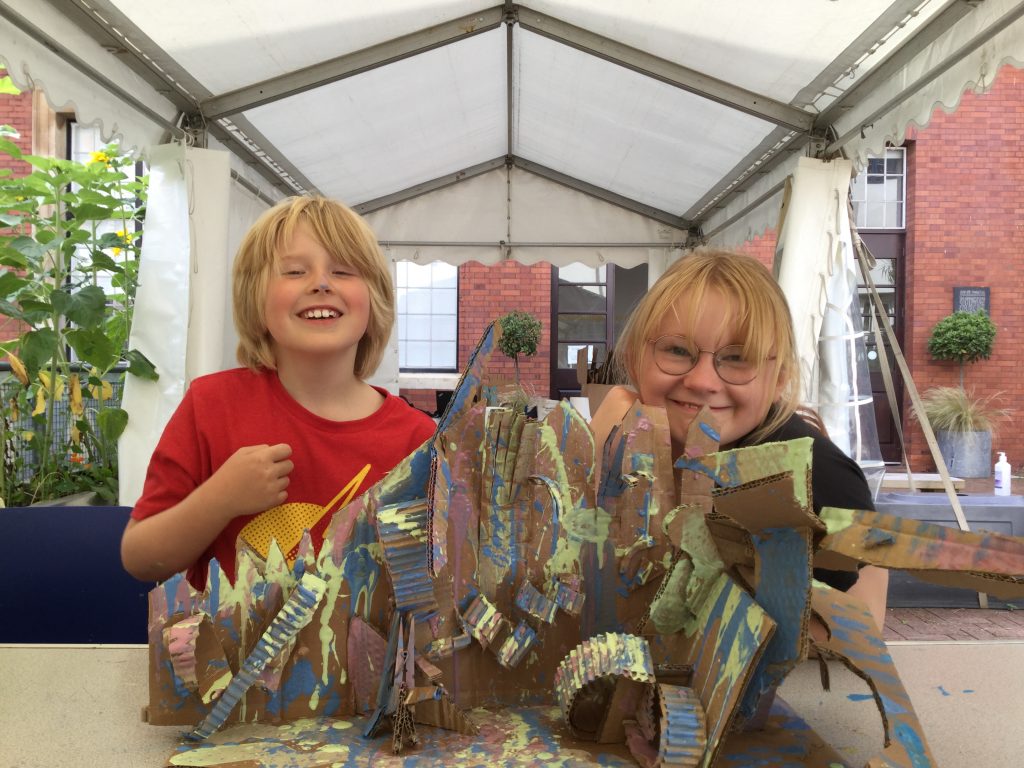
(477, 567)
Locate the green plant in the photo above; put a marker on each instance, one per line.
(954, 410)
(520, 334)
(70, 229)
(965, 337)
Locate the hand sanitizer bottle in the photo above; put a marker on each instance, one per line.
(1002, 475)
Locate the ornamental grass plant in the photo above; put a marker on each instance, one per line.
(954, 409)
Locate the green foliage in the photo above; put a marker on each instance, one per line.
(965, 337)
(520, 335)
(57, 252)
(954, 410)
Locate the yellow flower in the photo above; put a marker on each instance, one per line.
(12, 405)
(27, 435)
(99, 157)
(76, 436)
(18, 369)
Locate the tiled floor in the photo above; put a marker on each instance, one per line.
(946, 624)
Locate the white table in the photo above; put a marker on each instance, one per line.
(74, 706)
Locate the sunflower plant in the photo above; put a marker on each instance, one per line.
(70, 235)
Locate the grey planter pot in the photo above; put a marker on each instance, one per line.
(967, 454)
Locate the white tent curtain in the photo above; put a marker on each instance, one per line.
(179, 327)
(816, 268)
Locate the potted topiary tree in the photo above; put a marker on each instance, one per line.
(963, 423)
(520, 335)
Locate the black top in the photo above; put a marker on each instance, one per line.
(836, 481)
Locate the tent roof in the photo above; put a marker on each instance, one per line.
(684, 111)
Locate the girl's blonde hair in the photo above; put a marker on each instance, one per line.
(349, 240)
(759, 316)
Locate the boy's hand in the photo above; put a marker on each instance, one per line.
(253, 480)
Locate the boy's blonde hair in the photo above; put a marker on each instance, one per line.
(349, 240)
(759, 312)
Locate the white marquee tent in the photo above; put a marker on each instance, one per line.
(566, 130)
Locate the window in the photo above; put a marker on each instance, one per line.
(582, 314)
(83, 141)
(428, 314)
(879, 192)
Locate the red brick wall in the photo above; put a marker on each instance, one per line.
(487, 293)
(965, 227)
(761, 247)
(15, 111)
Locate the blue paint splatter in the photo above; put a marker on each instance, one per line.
(860, 697)
(943, 691)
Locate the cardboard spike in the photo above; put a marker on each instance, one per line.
(295, 614)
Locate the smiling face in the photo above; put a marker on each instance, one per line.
(737, 408)
(315, 305)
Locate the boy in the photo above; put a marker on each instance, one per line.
(266, 451)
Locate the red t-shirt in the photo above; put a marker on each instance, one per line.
(335, 461)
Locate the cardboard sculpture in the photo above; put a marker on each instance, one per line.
(658, 606)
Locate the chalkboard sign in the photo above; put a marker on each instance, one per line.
(971, 300)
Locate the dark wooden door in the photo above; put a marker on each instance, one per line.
(888, 250)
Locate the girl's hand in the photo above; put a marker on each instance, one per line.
(253, 480)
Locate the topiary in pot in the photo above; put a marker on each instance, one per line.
(965, 337)
(963, 422)
(520, 335)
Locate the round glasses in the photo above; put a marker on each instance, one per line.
(676, 355)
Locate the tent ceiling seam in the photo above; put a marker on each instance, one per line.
(690, 80)
(601, 193)
(385, 201)
(357, 62)
(113, 30)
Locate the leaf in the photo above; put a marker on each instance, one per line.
(10, 283)
(8, 309)
(93, 346)
(99, 389)
(29, 248)
(103, 261)
(37, 348)
(112, 422)
(18, 369)
(40, 402)
(140, 365)
(10, 148)
(88, 306)
(76, 403)
(92, 212)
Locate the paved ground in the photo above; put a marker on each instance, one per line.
(945, 624)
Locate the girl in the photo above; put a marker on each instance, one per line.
(313, 307)
(715, 330)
